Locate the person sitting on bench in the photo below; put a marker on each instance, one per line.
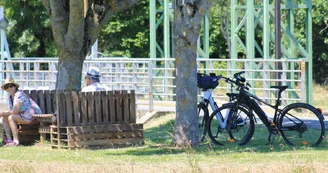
(93, 82)
(20, 110)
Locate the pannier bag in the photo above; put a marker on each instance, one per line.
(207, 82)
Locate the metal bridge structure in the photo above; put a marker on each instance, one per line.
(147, 80)
(253, 37)
(153, 78)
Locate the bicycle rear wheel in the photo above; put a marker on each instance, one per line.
(239, 128)
(301, 124)
(202, 121)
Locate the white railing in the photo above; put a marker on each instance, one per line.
(153, 79)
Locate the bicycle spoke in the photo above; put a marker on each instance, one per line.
(202, 123)
(300, 125)
(238, 130)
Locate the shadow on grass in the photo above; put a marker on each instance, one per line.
(158, 142)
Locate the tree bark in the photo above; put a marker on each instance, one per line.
(188, 17)
(76, 25)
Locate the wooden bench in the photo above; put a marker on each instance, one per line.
(105, 119)
(30, 133)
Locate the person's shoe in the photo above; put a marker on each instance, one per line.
(11, 144)
(4, 140)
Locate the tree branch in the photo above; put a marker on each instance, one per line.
(100, 13)
(58, 13)
(75, 32)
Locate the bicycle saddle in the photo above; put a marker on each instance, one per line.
(280, 88)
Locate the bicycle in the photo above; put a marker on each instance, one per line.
(207, 83)
(292, 122)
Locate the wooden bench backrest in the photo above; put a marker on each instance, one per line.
(89, 108)
(44, 98)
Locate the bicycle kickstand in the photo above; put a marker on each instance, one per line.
(271, 138)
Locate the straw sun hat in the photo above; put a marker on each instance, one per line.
(9, 81)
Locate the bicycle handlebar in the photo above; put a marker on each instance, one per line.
(240, 81)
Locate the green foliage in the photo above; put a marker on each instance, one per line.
(127, 33)
(220, 20)
(320, 41)
(29, 32)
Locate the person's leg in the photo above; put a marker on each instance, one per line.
(6, 127)
(13, 120)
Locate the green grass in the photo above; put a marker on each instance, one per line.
(319, 97)
(158, 155)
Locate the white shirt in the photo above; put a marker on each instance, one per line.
(96, 86)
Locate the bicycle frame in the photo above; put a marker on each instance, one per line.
(250, 101)
(208, 99)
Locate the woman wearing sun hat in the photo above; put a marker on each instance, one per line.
(20, 110)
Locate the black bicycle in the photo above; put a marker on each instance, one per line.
(208, 83)
(298, 123)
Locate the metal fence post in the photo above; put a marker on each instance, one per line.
(303, 89)
(151, 94)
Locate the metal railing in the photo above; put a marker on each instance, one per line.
(154, 79)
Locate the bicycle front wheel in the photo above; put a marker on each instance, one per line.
(301, 124)
(202, 121)
(237, 126)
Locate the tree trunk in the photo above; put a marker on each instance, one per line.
(69, 71)
(76, 25)
(188, 17)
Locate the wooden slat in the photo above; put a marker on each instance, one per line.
(91, 108)
(34, 96)
(44, 129)
(48, 101)
(29, 132)
(28, 127)
(76, 108)
(112, 107)
(104, 128)
(126, 110)
(84, 113)
(69, 108)
(98, 111)
(132, 107)
(41, 103)
(60, 99)
(53, 101)
(106, 135)
(119, 106)
(104, 142)
(105, 106)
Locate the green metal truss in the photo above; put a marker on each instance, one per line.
(247, 16)
(161, 14)
(250, 16)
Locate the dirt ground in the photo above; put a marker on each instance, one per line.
(7, 166)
